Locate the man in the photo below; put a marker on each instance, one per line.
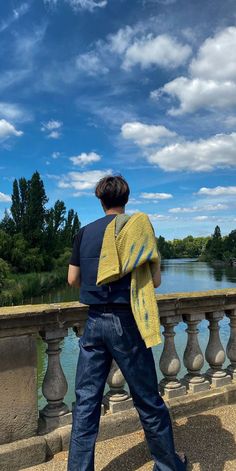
(111, 332)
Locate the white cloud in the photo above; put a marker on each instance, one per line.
(198, 156)
(89, 5)
(52, 128)
(50, 125)
(134, 201)
(159, 217)
(230, 121)
(9, 78)
(145, 134)
(91, 64)
(14, 112)
(197, 93)
(4, 198)
(156, 196)
(54, 135)
(162, 50)
(85, 159)
(121, 40)
(200, 218)
(218, 191)
(194, 209)
(56, 155)
(216, 57)
(15, 15)
(82, 180)
(82, 193)
(7, 129)
(212, 77)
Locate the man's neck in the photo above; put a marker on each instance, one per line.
(115, 211)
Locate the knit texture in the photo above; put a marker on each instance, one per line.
(129, 245)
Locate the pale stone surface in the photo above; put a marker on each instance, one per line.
(129, 452)
(218, 382)
(118, 406)
(171, 393)
(197, 387)
(127, 422)
(18, 392)
(47, 424)
(18, 455)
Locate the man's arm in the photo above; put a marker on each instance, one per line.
(74, 276)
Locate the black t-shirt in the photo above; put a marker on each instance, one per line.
(75, 256)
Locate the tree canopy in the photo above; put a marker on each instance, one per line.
(33, 236)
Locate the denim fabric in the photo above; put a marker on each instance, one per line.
(115, 335)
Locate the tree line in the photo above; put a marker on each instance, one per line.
(210, 249)
(33, 237)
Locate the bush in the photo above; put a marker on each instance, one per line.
(4, 272)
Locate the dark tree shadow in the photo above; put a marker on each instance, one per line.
(131, 459)
(206, 442)
(202, 438)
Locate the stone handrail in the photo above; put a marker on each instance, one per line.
(20, 326)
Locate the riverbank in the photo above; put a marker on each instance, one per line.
(20, 287)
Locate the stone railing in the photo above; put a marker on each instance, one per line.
(20, 327)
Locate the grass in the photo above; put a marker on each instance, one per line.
(18, 287)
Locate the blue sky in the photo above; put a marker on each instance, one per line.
(145, 88)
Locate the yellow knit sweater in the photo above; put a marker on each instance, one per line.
(133, 250)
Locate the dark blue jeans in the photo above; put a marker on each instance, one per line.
(115, 335)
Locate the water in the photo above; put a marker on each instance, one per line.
(180, 275)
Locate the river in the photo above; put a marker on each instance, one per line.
(179, 275)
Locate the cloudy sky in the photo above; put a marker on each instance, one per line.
(145, 88)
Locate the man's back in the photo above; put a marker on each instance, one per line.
(86, 253)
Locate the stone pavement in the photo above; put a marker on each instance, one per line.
(209, 440)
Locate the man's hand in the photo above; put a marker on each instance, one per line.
(74, 276)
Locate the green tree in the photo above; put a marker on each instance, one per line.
(7, 224)
(36, 211)
(24, 195)
(4, 272)
(15, 207)
(214, 246)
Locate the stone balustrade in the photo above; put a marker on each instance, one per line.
(21, 325)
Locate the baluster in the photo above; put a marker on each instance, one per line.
(231, 346)
(116, 399)
(54, 388)
(215, 354)
(169, 361)
(193, 357)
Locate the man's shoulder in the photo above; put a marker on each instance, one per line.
(101, 222)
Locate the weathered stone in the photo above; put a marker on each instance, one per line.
(118, 406)
(231, 346)
(170, 364)
(171, 393)
(53, 441)
(65, 433)
(197, 387)
(46, 424)
(22, 454)
(117, 398)
(18, 392)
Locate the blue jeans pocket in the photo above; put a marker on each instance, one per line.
(126, 335)
(87, 338)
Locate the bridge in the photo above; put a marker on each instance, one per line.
(201, 402)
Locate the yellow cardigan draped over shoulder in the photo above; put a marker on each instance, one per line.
(133, 249)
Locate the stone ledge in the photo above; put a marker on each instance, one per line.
(20, 454)
(36, 450)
